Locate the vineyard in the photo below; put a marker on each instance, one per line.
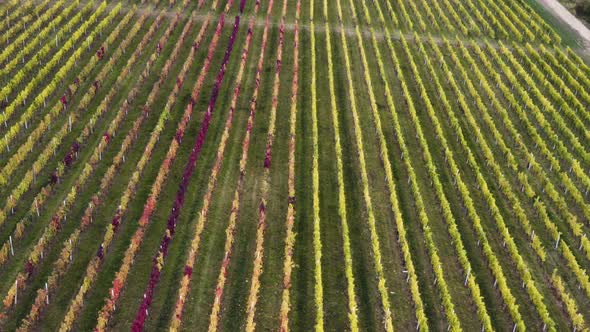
(278, 165)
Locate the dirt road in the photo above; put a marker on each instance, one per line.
(557, 9)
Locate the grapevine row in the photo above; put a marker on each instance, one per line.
(21, 23)
(463, 189)
(65, 256)
(42, 159)
(570, 304)
(20, 77)
(442, 198)
(94, 265)
(36, 254)
(121, 275)
(45, 125)
(580, 274)
(582, 277)
(66, 163)
(318, 287)
(184, 287)
(261, 226)
(538, 114)
(39, 36)
(575, 226)
(371, 220)
(12, 15)
(290, 235)
(159, 258)
(350, 283)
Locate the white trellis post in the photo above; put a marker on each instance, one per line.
(11, 247)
